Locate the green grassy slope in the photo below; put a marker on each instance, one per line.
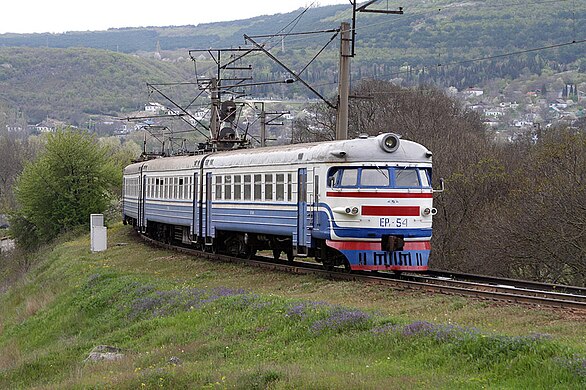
(188, 323)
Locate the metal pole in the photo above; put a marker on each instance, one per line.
(263, 125)
(343, 83)
(214, 124)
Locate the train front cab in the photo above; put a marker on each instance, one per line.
(380, 215)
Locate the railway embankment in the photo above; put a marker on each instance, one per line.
(176, 321)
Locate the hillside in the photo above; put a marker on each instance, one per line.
(430, 32)
(72, 84)
(182, 322)
(73, 75)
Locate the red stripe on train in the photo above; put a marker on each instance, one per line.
(394, 211)
(355, 194)
(376, 246)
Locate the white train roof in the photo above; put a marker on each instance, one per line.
(351, 151)
(165, 164)
(357, 150)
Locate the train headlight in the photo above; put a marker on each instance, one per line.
(390, 142)
(429, 211)
(346, 210)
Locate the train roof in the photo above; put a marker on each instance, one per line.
(354, 150)
(363, 149)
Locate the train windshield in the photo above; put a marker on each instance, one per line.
(378, 177)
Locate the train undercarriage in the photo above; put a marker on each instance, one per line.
(242, 244)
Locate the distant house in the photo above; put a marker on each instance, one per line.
(13, 128)
(522, 123)
(45, 126)
(473, 92)
(478, 107)
(491, 123)
(513, 105)
(494, 112)
(154, 107)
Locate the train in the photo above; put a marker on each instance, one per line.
(358, 204)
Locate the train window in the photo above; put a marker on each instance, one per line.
(228, 187)
(289, 188)
(257, 187)
(237, 187)
(424, 178)
(375, 177)
(268, 186)
(166, 194)
(406, 178)
(280, 188)
(349, 178)
(247, 185)
(333, 177)
(218, 187)
(181, 188)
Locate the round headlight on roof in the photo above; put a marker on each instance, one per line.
(390, 143)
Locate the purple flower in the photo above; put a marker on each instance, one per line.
(339, 319)
(163, 303)
(303, 309)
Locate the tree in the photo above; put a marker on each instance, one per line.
(542, 227)
(73, 178)
(317, 124)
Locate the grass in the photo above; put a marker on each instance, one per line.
(189, 323)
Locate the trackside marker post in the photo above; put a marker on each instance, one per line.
(98, 233)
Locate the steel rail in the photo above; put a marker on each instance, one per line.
(496, 292)
(518, 283)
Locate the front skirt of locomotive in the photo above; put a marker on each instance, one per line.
(368, 255)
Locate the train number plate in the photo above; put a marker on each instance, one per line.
(393, 222)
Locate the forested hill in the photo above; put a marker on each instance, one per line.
(71, 84)
(429, 32)
(71, 75)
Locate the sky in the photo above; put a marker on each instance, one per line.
(57, 16)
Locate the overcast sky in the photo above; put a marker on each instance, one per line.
(55, 16)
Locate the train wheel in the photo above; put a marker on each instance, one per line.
(347, 267)
(276, 254)
(290, 256)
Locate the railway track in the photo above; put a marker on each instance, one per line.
(443, 282)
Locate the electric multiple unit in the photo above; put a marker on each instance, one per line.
(365, 204)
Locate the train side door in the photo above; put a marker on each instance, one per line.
(141, 200)
(195, 224)
(303, 214)
(208, 209)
